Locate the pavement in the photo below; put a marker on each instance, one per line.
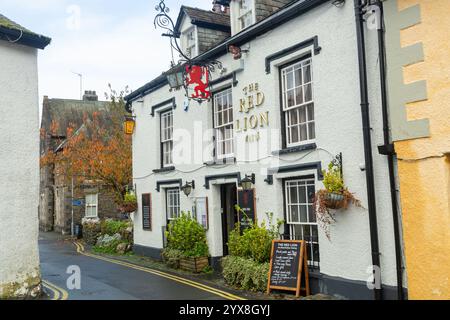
(71, 273)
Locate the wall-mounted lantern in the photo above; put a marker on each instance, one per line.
(187, 188)
(176, 77)
(248, 182)
(129, 124)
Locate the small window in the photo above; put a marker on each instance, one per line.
(91, 206)
(172, 203)
(298, 103)
(167, 138)
(246, 14)
(223, 124)
(300, 216)
(190, 39)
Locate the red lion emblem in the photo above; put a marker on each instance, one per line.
(195, 76)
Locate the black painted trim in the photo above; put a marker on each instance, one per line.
(167, 182)
(314, 41)
(311, 146)
(162, 170)
(153, 253)
(294, 168)
(225, 78)
(169, 102)
(208, 179)
(24, 38)
(150, 87)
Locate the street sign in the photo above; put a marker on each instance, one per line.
(78, 203)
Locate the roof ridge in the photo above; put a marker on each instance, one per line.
(204, 10)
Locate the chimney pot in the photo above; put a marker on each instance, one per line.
(90, 95)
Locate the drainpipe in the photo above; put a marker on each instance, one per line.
(388, 150)
(370, 181)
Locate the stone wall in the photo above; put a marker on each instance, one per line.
(265, 8)
(208, 38)
(63, 203)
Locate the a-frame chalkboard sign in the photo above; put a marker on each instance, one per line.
(289, 267)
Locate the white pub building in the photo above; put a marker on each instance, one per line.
(296, 81)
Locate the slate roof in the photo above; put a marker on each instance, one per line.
(66, 112)
(14, 32)
(200, 16)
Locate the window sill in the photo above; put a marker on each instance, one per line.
(162, 170)
(217, 162)
(310, 146)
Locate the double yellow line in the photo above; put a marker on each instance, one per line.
(58, 293)
(201, 286)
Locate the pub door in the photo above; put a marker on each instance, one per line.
(228, 197)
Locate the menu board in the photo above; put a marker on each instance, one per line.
(288, 266)
(147, 212)
(246, 201)
(201, 211)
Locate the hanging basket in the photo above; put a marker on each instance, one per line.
(335, 201)
(128, 207)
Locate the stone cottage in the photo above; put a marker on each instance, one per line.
(19, 160)
(91, 199)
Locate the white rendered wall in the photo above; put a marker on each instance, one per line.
(19, 169)
(338, 129)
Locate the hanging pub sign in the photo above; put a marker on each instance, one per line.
(246, 201)
(289, 267)
(197, 83)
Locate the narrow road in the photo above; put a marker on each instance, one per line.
(106, 280)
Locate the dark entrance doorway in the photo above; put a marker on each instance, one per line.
(228, 197)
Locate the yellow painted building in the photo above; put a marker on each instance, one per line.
(418, 62)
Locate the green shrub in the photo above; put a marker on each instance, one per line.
(111, 227)
(245, 273)
(91, 231)
(172, 257)
(188, 236)
(255, 242)
(111, 248)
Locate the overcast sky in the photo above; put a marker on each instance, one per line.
(106, 41)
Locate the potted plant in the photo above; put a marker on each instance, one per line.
(335, 196)
(187, 238)
(129, 204)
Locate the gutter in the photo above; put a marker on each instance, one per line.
(25, 38)
(388, 149)
(365, 115)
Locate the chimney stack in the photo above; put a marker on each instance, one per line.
(90, 96)
(217, 7)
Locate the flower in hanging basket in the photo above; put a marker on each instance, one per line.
(129, 204)
(334, 197)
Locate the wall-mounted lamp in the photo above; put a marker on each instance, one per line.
(248, 182)
(187, 188)
(129, 124)
(175, 77)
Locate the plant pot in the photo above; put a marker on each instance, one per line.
(335, 201)
(195, 265)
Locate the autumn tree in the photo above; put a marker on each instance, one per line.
(98, 151)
